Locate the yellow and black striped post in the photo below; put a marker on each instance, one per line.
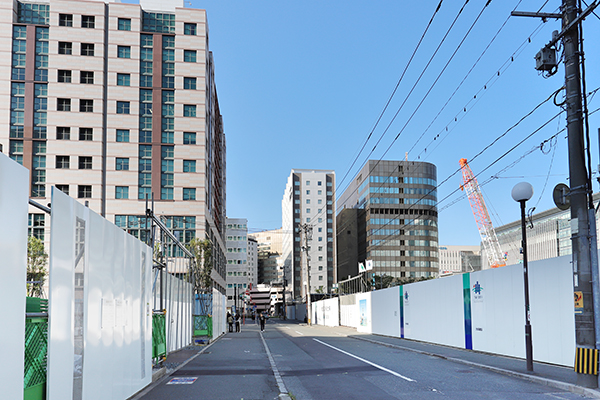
(586, 361)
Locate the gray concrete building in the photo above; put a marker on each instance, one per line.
(388, 214)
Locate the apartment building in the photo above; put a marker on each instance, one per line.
(308, 209)
(113, 104)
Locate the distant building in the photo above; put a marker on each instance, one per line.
(550, 236)
(459, 259)
(270, 261)
(238, 278)
(388, 214)
(309, 199)
(252, 261)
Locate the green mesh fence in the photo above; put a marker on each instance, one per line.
(159, 336)
(36, 350)
(203, 325)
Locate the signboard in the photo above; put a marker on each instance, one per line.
(361, 267)
(369, 265)
(578, 298)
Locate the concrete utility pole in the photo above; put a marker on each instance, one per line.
(580, 186)
(306, 230)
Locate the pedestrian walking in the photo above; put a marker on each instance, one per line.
(230, 321)
(262, 318)
(237, 322)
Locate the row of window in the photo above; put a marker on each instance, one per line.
(122, 107)
(237, 238)
(153, 22)
(319, 192)
(319, 220)
(319, 183)
(87, 21)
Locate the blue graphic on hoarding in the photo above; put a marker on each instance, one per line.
(477, 288)
(362, 305)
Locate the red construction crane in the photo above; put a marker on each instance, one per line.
(490, 242)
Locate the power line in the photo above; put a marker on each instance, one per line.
(394, 91)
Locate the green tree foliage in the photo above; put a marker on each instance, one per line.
(36, 266)
(201, 270)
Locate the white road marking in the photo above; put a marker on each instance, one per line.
(280, 383)
(367, 361)
(299, 333)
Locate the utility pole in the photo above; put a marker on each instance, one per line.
(306, 230)
(580, 188)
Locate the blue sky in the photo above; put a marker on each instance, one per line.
(301, 85)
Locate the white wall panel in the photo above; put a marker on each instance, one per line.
(498, 312)
(434, 311)
(14, 188)
(552, 317)
(386, 312)
(364, 304)
(112, 284)
(349, 311)
(326, 312)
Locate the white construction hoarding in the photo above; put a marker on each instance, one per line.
(100, 326)
(14, 196)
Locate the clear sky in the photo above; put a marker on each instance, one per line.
(302, 84)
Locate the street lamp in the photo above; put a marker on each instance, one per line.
(522, 192)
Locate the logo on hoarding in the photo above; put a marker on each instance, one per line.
(477, 292)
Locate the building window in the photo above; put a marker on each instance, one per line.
(63, 104)
(189, 110)
(308, 192)
(63, 133)
(189, 165)
(122, 135)
(189, 29)
(35, 227)
(121, 192)
(85, 162)
(189, 137)
(124, 51)
(189, 194)
(318, 183)
(63, 188)
(62, 162)
(188, 55)
(189, 83)
(122, 164)
(122, 107)
(86, 105)
(124, 24)
(65, 20)
(86, 77)
(64, 76)
(84, 191)
(88, 21)
(65, 48)
(123, 79)
(86, 134)
(29, 13)
(158, 22)
(87, 49)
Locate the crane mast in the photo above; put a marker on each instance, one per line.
(489, 239)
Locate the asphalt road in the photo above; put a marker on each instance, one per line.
(322, 363)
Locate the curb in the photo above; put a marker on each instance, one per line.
(166, 376)
(568, 387)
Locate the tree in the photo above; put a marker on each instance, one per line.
(36, 266)
(202, 268)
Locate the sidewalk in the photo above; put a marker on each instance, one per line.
(545, 374)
